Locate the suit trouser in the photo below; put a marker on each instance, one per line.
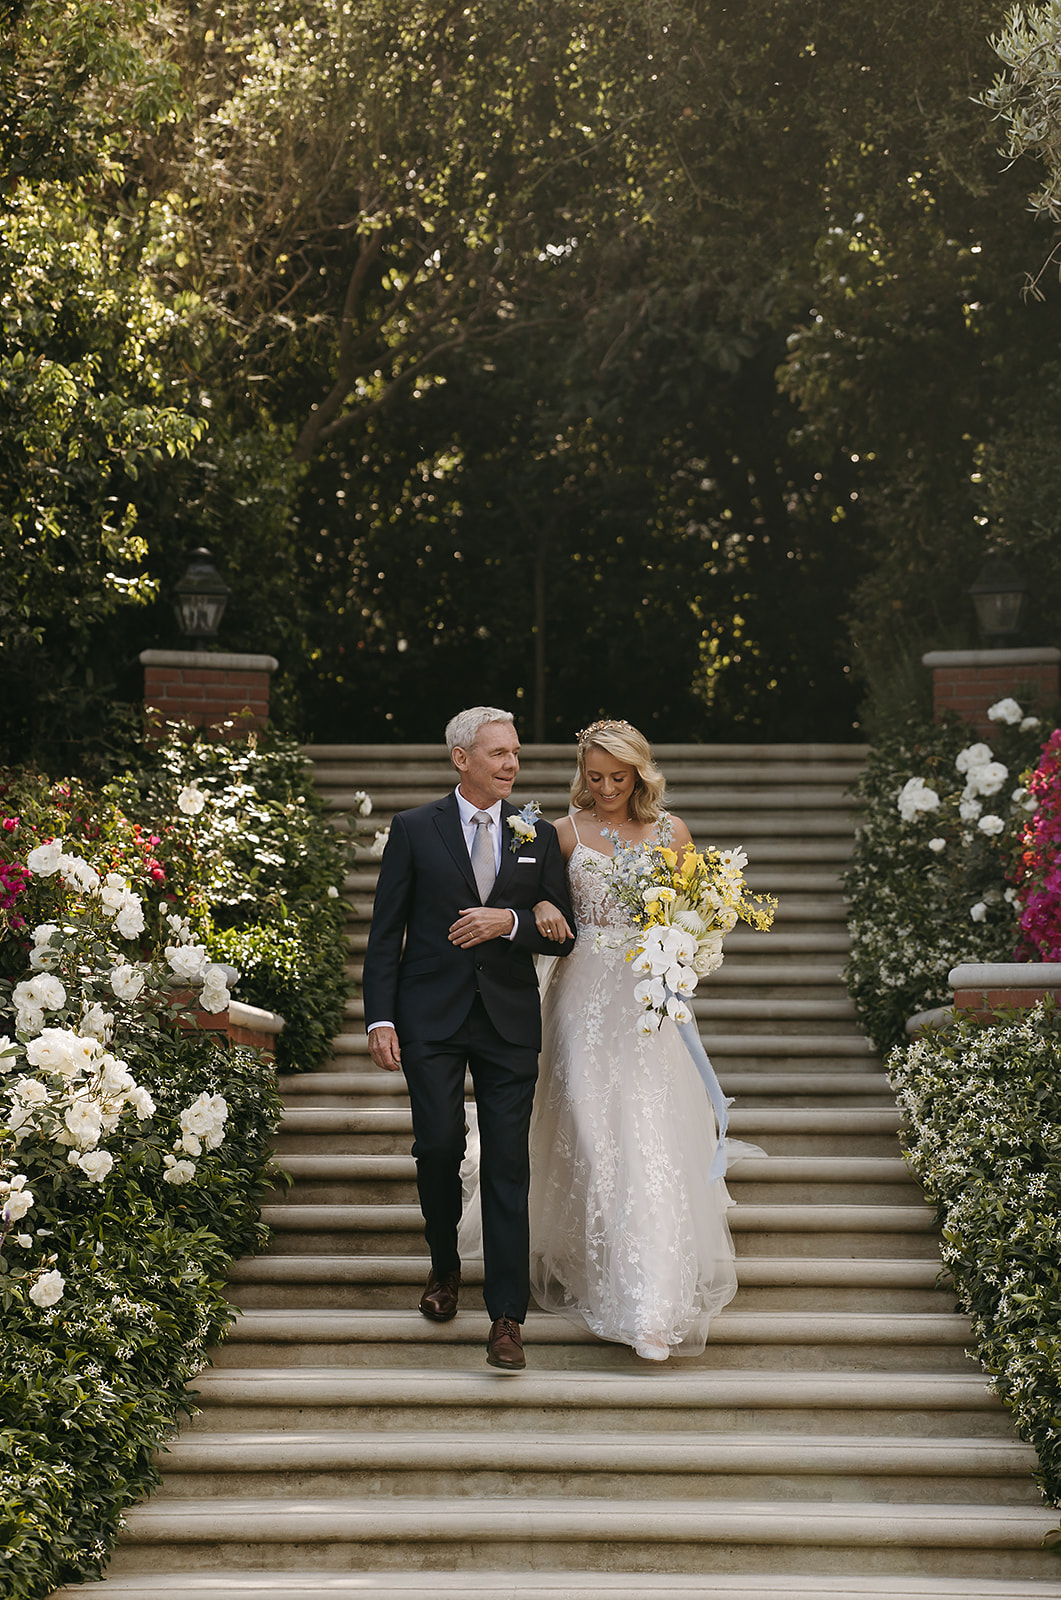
(504, 1076)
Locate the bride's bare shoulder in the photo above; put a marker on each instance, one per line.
(565, 832)
(680, 835)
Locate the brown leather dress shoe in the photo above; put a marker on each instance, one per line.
(439, 1299)
(504, 1348)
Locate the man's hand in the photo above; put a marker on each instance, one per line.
(551, 923)
(385, 1050)
(477, 924)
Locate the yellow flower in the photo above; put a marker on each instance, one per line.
(670, 857)
(667, 894)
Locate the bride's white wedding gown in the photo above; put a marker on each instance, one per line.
(627, 1234)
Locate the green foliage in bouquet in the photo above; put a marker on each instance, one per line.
(941, 820)
(982, 1108)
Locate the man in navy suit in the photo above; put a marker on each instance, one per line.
(459, 887)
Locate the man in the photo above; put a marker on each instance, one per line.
(459, 886)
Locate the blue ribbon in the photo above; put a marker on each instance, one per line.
(720, 1102)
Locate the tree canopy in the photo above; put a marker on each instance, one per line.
(657, 357)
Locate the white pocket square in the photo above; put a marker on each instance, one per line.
(530, 861)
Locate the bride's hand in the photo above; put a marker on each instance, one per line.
(550, 922)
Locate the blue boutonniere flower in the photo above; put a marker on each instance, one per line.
(522, 824)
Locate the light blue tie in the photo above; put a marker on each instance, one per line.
(483, 856)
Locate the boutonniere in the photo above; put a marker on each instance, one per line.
(522, 824)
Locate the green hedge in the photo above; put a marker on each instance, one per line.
(92, 1386)
(982, 1110)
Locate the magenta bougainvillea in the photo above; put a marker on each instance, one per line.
(1038, 874)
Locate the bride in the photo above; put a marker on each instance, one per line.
(628, 1232)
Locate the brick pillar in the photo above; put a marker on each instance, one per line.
(206, 688)
(968, 681)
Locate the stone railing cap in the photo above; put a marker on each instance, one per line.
(245, 1016)
(1037, 656)
(220, 659)
(922, 1021)
(1006, 975)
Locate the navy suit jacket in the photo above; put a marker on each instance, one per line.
(427, 989)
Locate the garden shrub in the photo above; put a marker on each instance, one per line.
(252, 856)
(133, 1157)
(982, 1113)
(941, 825)
(234, 837)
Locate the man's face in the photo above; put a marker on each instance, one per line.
(488, 770)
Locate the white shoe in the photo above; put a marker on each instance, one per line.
(651, 1351)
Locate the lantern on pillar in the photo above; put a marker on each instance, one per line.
(201, 599)
(998, 594)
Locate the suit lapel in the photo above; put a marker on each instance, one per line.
(508, 859)
(448, 823)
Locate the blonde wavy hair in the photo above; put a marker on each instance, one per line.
(625, 743)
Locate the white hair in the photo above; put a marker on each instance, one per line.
(463, 729)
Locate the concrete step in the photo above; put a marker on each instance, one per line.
(851, 1044)
(349, 1087)
(980, 1540)
(818, 1284)
(296, 1584)
(387, 1172)
(648, 1465)
(787, 1340)
(673, 1396)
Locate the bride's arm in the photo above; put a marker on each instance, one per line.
(565, 832)
(549, 921)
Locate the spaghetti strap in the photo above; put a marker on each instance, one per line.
(574, 824)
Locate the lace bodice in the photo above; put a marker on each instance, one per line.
(592, 901)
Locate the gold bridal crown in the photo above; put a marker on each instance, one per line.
(585, 738)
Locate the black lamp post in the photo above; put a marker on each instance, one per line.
(998, 594)
(201, 598)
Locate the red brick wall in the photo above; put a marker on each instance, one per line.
(969, 691)
(984, 1003)
(207, 696)
(219, 1022)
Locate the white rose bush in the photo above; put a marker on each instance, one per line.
(255, 865)
(134, 1152)
(932, 879)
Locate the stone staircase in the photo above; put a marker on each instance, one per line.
(833, 1441)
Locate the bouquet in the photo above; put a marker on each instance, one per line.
(681, 913)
